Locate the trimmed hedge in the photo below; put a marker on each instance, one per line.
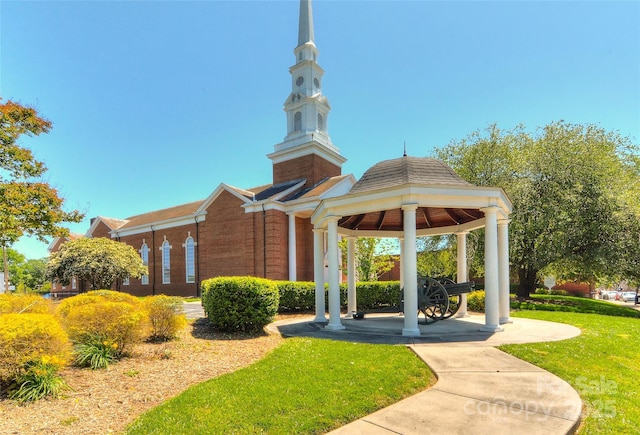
(301, 296)
(240, 304)
(373, 295)
(296, 296)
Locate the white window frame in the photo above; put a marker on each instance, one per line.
(190, 259)
(144, 254)
(165, 249)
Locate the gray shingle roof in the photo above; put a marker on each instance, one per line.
(407, 170)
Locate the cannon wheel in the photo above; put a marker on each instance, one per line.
(454, 300)
(433, 301)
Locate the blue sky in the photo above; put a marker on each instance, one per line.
(155, 103)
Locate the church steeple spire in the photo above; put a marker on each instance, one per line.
(306, 108)
(305, 24)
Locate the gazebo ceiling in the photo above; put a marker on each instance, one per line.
(409, 171)
(426, 217)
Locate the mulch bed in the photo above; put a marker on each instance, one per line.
(106, 401)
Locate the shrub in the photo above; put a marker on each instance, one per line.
(373, 295)
(243, 304)
(296, 296)
(118, 322)
(475, 301)
(29, 337)
(94, 297)
(24, 303)
(116, 317)
(96, 352)
(166, 316)
(39, 379)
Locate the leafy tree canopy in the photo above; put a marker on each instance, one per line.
(98, 261)
(373, 257)
(574, 192)
(27, 204)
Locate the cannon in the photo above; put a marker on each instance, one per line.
(438, 298)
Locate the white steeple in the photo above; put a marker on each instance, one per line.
(306, 108)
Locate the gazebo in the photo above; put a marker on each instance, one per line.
(407, 198)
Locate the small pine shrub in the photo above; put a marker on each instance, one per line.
(475, 301)
(240, 304)
(24, 303)
(116, 317)
(95, 352)
(38, 379)
(166, 316)
(29, 337)
(118, 322)
(94, 297)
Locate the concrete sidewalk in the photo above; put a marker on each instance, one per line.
(480, 390)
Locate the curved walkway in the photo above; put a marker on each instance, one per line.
(480, 389)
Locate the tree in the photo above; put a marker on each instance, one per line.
(373, 257)
(98, 261)
(568, 185)
(27, 204)
(437, 256)
(23, 273)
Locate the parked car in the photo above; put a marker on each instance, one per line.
(609, 296)
(629, 296)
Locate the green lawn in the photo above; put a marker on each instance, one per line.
(304, 386)
(602, 364)
(312, 386)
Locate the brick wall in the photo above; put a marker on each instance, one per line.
(178, 285)
(311, 167)
(228, 240)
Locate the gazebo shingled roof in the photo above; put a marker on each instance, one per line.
(408, 171)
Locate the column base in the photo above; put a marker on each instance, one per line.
(491, 328)
(410, 332)
(320, 319)
(461, 315)
(335, 326)
(505, 320)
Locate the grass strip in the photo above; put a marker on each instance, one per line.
(306, 386)
(602, 365)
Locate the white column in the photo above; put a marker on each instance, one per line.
(351, 276)
(410, 272)
(503, 270)
(402, 263)
(318, 273)
(334, 275)
(292, 247)
(462, 271)
(491, 275)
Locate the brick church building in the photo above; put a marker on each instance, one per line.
(262, 231)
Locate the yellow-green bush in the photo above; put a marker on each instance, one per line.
(30, 337)
(115, 317)
(118, 322)
(166, 316)
(93, 297)
(24, 303)
(475, 301)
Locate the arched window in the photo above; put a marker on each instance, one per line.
(166, 262)
(297, 121)
(190, 255)
(144, 254)
(320, 122)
